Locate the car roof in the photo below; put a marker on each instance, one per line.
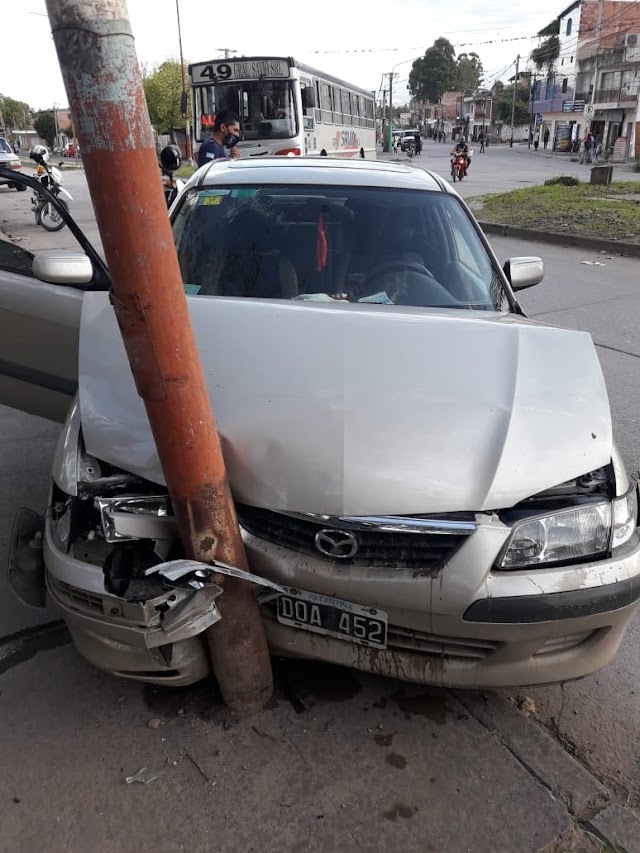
(318, 170)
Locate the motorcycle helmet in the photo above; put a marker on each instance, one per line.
(39, 153)
(171, 158)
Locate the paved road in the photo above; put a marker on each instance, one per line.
(498, 170)
(598, 718)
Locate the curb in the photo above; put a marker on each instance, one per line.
(586, 799)
(580, 241)
(540, 754)
(618, 826)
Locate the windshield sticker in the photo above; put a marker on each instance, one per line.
(192, 289)
(244, 192)
(209, 197)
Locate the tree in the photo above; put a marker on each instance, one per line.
(15, 114)
(469, 72)
(548, 50)
(435, 72)
(522, 103)
(45, 125)
(163, 88)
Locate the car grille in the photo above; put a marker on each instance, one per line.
(77, 598)
(451, 647)
(404, 639)
(422, 551)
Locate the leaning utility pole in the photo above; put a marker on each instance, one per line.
(100, 69)
(513, 102)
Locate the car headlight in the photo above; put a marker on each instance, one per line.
(559, 537)
(572, 534)
(625, 516)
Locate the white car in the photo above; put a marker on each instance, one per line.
(11, 161)
(428, 476)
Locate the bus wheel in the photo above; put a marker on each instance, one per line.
(362, 153)
(323, 153)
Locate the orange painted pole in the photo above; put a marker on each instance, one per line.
(101, 74)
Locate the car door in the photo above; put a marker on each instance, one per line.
(39, 332)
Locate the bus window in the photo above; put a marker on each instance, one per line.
(346, 106)
(318, 110)
(266, 107)
(368, 104)
(337, 105)
(325, 103)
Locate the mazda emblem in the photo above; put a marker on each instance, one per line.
(337, 544)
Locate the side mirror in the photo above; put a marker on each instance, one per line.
(308, 98)
(55, 266)
(524, 272)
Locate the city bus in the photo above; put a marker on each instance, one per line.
(285, 107)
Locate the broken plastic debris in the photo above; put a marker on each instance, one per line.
(593, 263)
(144, 775)
(177, 569)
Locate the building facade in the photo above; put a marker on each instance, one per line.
(593, 83)
(555, 107)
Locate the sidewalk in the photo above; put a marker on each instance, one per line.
(569, 158)
(338, 761)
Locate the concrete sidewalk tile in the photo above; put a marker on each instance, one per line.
(619, 826)
(541, 754)
(367, 765)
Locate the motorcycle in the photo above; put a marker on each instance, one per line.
(47, 214)
(458, 166)
(170, 161)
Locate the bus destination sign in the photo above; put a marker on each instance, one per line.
(238, 69)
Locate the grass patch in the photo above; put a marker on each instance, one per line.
(612, 212)
(185, 171)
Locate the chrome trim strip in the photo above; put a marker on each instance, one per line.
(390, 524)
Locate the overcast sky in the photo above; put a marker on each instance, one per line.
(389, 32)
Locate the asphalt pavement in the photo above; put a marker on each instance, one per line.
(338, 759)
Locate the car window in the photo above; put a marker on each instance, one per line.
(4, 146)
(356, 244)
(14, 258)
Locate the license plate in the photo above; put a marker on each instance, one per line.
(323, 614)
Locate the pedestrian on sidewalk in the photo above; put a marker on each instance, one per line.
(545, 138)
(481, 141)
(588, 147)
(536, 139)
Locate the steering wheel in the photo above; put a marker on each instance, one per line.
(398, 266)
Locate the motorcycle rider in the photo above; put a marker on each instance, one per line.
(222, 142)
(462, 147)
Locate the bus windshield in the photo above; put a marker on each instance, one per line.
(266, 107)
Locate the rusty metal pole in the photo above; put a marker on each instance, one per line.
(100, 70)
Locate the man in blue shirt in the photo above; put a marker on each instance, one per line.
(222, 142)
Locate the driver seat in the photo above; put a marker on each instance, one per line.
(397, 240)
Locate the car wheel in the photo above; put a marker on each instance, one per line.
(20, 187)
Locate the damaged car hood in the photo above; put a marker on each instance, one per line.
(350, 410)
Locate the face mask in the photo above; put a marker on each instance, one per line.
(231, 139)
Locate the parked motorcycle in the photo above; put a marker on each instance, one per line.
(47, 214)
(170, 161)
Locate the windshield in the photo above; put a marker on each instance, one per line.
(382, 246)
(4, 146)
(266, 107)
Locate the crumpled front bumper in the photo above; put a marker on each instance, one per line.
(131, 639)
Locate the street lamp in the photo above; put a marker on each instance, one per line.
(184, 107)
(390, 75)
